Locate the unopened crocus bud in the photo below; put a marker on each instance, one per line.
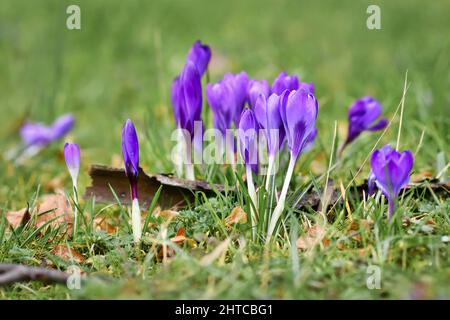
(130, 151)
(200, 55)
(239, 84)
(72, 157)
(390, 172)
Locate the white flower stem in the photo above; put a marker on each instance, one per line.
(75, 210)
(136, 220)
(281, 201)
(252, 193)
(269, 171)
(230, 155)
(190, 175)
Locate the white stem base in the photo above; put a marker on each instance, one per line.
(281, 201)
(252, 193)
(136, 220)
(269, 172)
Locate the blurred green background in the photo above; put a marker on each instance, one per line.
(122, 61)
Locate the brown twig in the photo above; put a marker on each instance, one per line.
(12, 273)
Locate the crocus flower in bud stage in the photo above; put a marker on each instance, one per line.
(187, 108)
(248, 138)
(239, 83)
(255, 89)
(362, 116)
(390, 173)
(310, 141)
(130, 151)
(298, 111)
(72, 157)
(267, 112)
(284, 82)
(39, 135)
(222, 101)
(308, 87)
(200, 55)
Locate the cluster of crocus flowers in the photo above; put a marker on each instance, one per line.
(390, 172)
(187, 102)
(72, 158)
(363, 115)
(130, 152)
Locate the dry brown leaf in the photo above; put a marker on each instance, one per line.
(237, 215)
(180, 236)
(53, 206)
(67, 254)
(420, 176)
(15, 218)
(312, 237)
(101, 223)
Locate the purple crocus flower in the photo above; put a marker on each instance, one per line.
(221, 99)
(200, 55)
(390, 173)
(130, 152)
(255, 89)
(40, 135)
(239, 83)
(72, 157)
(310, 141)
(248, 138)
(362, 116)
(267, 112)
(187, 98)
(298, 111)
(284, 82)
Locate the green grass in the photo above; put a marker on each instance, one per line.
(121, 65)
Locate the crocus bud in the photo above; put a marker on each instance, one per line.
(222, 101)
(284, 82)
(200, 55)
(362, 116)
(310, 141)
(239, 83)
(72, 157)
(267, 112)
(130, 152)
(305, 86)
(298, 110)
(187, 98)
(390, 172)
(255, 89)
(248, 137)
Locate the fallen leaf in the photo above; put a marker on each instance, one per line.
(101, 223)
(16, 218)
(237, 215)
(420, 176)
(313, 235)
(68, 254)
(180, 236)
(55, 206)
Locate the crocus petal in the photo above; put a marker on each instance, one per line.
(305, 86)
(72, 158)
(199, 55)
(380, 125)
(239, 84)
(255, 89)
(248, 136)
(220, 97)
(130, 151)
(371, 183)
(285, 82)
(309, 142)
(35, 134)
(62, 126)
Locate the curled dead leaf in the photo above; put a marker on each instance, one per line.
(180, 236)
(16, 218)
(55, 206)
(237, 215)
(102, 223)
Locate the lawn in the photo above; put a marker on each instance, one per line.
(121, 65)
